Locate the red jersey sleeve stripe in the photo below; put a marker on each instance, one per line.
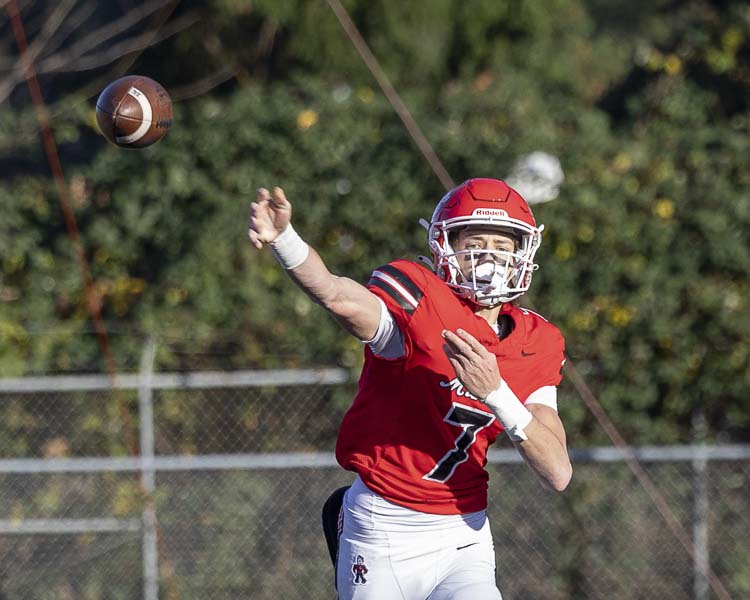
(405, 306)
(404, 280)
(395, 290)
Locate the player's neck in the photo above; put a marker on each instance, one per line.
(488, 314)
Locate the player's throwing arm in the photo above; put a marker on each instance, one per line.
(350, 303)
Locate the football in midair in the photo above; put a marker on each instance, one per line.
(134, 112)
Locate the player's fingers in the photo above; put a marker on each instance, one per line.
(458, 360)
(456, 343)
(473, 342)
(461, 373)
(257, 224)
(262, 194)
(279, 198)
(456, 366)
(259, 213)
(255, 238)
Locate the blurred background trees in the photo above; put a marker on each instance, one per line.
(646, 254)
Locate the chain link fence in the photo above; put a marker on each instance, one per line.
(224, 500)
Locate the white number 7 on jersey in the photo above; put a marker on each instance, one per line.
(471, 420)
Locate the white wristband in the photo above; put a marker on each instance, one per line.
(509, 410)
(289, 248)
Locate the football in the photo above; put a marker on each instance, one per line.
(134, 112)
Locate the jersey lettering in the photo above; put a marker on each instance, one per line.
(471, 421)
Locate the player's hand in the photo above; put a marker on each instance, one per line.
(269, 216)
(475, 366)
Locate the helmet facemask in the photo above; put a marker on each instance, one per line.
(488, 277)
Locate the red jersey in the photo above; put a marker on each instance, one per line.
(414, 434)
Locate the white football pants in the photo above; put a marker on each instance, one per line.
(388, 552)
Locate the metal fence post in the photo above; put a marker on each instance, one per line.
(700, 509)
(148, 475)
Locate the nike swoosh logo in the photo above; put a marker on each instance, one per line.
(466, 546)
(527, 353)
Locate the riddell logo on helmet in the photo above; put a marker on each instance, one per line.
(489, 212)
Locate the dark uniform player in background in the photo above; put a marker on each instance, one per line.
(450, 363)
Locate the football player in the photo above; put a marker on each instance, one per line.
(451, 361)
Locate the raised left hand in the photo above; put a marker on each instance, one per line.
(475, 366)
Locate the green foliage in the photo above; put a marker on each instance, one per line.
(645, 263)
(645, 260)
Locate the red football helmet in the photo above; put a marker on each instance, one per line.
(485, 204)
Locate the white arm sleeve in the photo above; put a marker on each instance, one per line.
(546, 395)
(388, 342)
